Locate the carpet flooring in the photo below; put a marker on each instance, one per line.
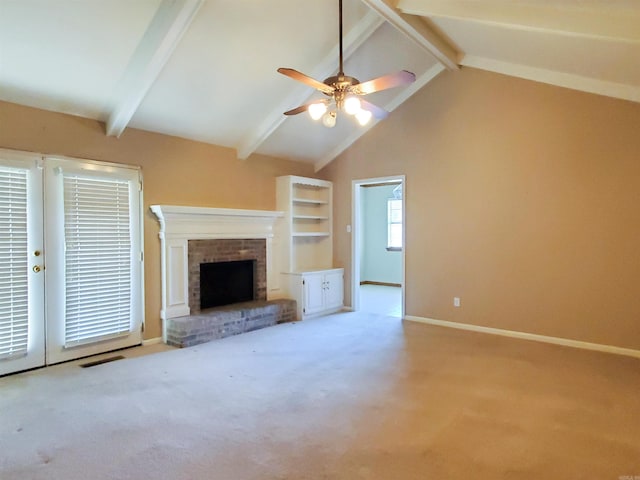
(349, 396)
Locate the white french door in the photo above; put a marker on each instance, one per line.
(22, 329)
(81, 260)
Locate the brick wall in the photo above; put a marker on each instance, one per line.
(225, 250)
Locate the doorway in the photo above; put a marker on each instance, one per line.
(378, 253)
(70, 259)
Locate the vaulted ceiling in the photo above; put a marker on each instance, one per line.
(206, 69)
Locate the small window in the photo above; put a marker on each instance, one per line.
(394, 224)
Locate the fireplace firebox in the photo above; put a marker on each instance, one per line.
(224, 283)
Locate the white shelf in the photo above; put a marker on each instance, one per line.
(310, 201)
(309, 217)
(310, 234)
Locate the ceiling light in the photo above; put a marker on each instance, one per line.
(363, 117)
(316, 110)
(329, 119)
(352, 105)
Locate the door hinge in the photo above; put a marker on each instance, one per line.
(142, 327)
(142, 256)
(303, 282)
(304, 310)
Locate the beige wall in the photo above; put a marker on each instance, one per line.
(175, 172)
(522, 198)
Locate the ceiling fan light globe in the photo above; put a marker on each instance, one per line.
(363, 117)
(317, 110)
(329, 119)
(352, 105)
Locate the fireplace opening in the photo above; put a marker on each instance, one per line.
(224, 283)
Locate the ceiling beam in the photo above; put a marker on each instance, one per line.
(415, 29)
(404, 95)
(560, 79)
(608, 20)
(170, 22)
(300, 94)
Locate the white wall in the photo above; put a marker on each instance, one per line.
(377, 264)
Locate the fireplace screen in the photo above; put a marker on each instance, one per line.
(224, 283)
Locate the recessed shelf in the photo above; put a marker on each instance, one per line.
(311, 234)
(310, 201)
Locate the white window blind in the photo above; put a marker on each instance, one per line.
(14, 305)
(98, 259)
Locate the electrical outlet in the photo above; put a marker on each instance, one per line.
(456, 301)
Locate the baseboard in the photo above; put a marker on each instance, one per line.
(629, 352)
(383, 284)
(151, 341)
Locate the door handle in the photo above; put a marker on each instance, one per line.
(37, 268)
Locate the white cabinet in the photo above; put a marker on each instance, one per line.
(306, 245)
(317, 292)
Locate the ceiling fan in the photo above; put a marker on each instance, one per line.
(343, 92)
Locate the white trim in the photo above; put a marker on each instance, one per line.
(566, 342)
(418, 31)
(565, 18)
(151, 341)
(402, 96)
(352, 41)
(171, 21)
(356, 220)
(567, 80)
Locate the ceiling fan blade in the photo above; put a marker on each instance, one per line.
(382, 83)
(378, 113)
(303, 108)
(301, 77)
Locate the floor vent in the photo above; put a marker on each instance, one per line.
(100, 362)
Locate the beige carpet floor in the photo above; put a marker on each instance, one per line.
(350, 396)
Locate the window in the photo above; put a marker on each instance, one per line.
(394, 224)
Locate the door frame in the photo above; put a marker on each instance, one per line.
(356, 234)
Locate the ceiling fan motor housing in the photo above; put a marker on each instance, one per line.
(341, 83)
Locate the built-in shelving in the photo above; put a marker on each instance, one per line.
(307, 226)
(306, 236)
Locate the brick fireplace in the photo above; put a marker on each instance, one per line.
(190, 235)
(225, 250)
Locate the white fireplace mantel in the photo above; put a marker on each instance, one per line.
(179, 224)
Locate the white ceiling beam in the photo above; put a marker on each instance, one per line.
(398, 100)
(608, 20)
(552, 77)
(415, 29)
(300, 94)
(170, 22)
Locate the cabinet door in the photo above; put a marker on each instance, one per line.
(334, 291)
(313, 293)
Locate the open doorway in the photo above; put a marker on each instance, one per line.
(378, 260)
